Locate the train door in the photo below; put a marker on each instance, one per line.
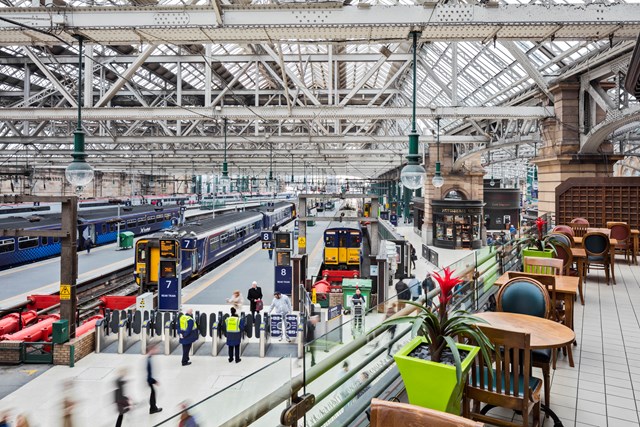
(89, 232)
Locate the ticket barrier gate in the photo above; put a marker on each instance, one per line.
(171, 339)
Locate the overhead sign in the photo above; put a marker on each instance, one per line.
(168, 294)
(302, 242)
(283, 279)
(168, 249)
(188, 244)
(283, 240)
(267, 236)
(267, 245)
(65, 292)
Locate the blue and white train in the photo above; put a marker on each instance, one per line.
(100, 225)
(207, 241)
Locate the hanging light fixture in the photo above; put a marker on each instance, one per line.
(492, 182)
(413, 174)
(438, 180)
(271, 183)
(79, 173)
(225, 181)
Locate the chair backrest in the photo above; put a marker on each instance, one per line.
(395, 414)
(563, 252)
(538, 265)
(525, 296)
(596, 244)
(579, 230)
(580, 220)
(560, 237)
(513, 359)
(621, 231)
(563, 229)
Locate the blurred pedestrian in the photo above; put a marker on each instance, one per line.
(188, 333)
(391, 310)
(428, 286)
(364, 377)
(153, 408)
(414, 257)
(270, 253)
(281, 304)
(513, 231)
(22, 421)
(344, 388)
(414, 287)
(403, 293)
(123, 402)
(310, 336)
(87, 244)
(236, 300)
(4, 419)
(67, 404)
(255, 298)
(234, 327)
(186, 419)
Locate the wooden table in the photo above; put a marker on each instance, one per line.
(544, 333)
(566, 288)
(580, 257)
(635, 234)
(612, 254)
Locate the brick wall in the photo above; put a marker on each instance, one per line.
(82, 346)
(9, 352)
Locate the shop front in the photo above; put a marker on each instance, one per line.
(457, 224)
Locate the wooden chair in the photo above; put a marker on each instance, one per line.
(565, 229)
(393, 414)
(579, 230)
(525, 295)
(596, 245)
(580, 220)
(538, 265)
(511, 385)
(621, 231)
(562, 237)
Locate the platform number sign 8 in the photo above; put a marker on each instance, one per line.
(283, 272)
(267, 236)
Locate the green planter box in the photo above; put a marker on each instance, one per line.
(547, 253)
(433, 385)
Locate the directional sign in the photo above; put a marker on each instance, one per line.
(267, 245)
(168, 294)
(267, 236)
(188, 244)
(291, 321)
(65, 292)
(284, 279)
(276, 325)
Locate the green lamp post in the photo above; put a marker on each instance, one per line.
(79, 173)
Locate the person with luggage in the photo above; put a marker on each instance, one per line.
(255, 298)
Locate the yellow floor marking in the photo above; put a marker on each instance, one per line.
(29, 371)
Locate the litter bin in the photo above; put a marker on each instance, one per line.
(60, 332)
(349, 289)
(311, 223)
(126, 240)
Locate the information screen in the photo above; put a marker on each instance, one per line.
(167, 269)
(168, 249)
(283, 240)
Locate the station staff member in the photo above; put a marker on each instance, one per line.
(188, 332)
(234, 326)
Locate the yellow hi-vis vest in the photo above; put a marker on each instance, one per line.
(233, 324)
(184, 322)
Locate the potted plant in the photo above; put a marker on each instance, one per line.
(537, 244)
(433, 365)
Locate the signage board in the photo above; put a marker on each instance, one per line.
(266, 236)
(168, 249)
(283, 241)
(169, 294)
(267, 245)
(393, 219)
(302, 242)
(65, 292)
(188, 244)
(283, 279)
(276, 325)
(292, 325)
(334, 311)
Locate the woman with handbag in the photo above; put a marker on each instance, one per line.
(255, 298)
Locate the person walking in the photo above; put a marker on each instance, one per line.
(413, 256)
(310, 336)
(236, 300)
(414, 287)
(234, 327)
(87, 244)
(122, 401)
(186, 419)
(255, 299)
(403, 293)
(188, 333)
(68, 404)
(153, 408)
(281, 304)
(391, 310)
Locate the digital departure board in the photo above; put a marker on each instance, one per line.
(168, 249)
(283, 240)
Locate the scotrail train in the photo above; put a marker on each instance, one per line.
(99, 224)
(204, 242)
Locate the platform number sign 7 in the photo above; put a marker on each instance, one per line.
(267, 236)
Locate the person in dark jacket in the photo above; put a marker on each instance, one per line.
(122, 401)
(428, 286)
(254, 295)
(403, 292)
(153, 408)
(310, 335)
(234, 326)
(87, 244)
(188, 334)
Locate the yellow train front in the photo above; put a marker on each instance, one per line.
(342, 246)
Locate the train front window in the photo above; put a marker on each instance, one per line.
(6, 246)
(330, 240)
(142, 253)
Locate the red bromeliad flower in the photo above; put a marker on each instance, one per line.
(540, 224)
(447, 283)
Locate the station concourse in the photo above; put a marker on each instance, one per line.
(323, 150)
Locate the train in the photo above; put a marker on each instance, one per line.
(99, 224)
(204, 242)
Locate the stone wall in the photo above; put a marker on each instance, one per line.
(82, 346)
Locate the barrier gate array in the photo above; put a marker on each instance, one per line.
(128, 327)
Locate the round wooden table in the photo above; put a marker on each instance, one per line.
(544, 333)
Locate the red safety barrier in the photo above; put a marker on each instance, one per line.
(11, 322)
(40, 302)
(336, 276)
(116, 302)
(38, 332)
(88, 326)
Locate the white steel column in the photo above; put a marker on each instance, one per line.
(330, 74)
(88, 75)
(179, 95)
(454, 73)
(207, 75)
(26, 93)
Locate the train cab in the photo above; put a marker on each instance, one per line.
(342, 246)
